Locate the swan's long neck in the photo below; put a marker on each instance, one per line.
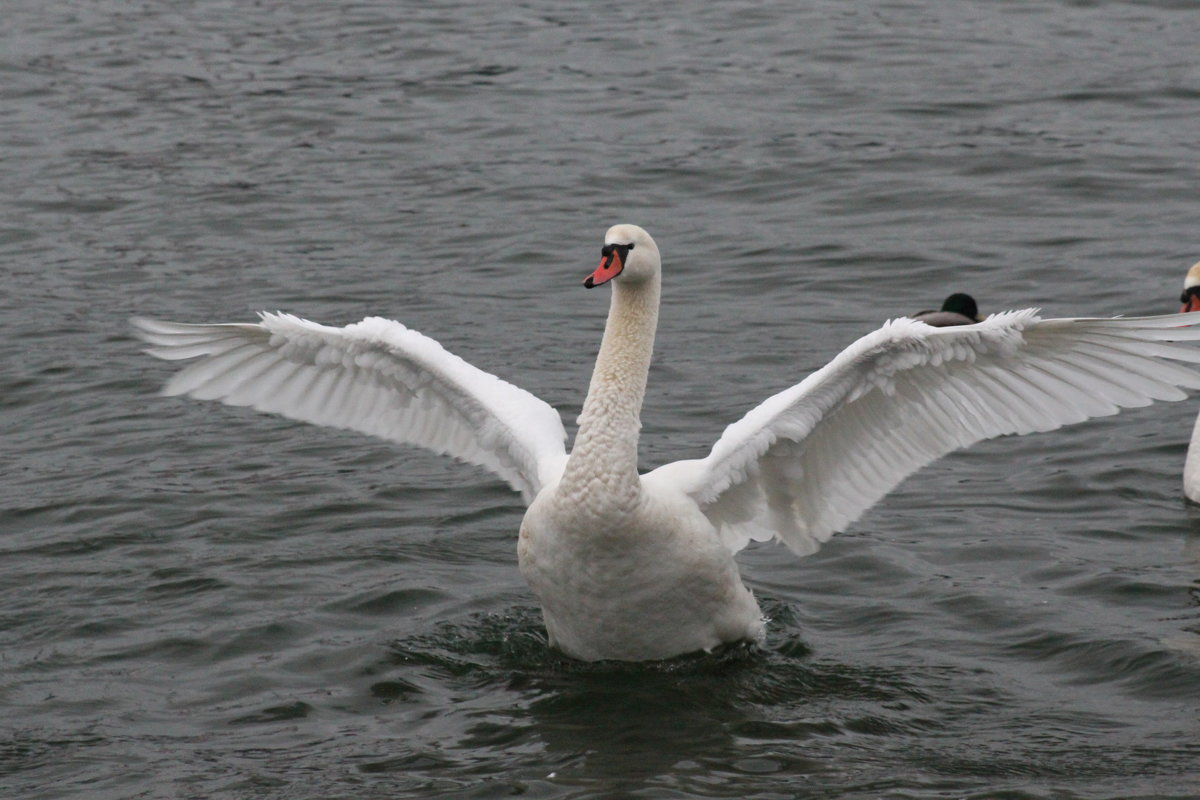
(604, 460)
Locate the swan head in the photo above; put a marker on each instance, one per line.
(628, 252)
(1191, 290)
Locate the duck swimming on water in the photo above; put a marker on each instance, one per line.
(958, 309)
(641, 566)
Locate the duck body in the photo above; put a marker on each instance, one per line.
(635, 567)
(957, 309)
(943, 319)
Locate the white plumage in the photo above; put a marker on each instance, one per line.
(1191, 465)
(376, 377)
(641, 567)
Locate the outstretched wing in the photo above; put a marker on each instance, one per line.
(377, 377)
(810, 460)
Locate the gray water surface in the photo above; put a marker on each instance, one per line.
(204, 602)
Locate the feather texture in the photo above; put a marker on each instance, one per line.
(637, 567)
(810, 460)
(376, 377)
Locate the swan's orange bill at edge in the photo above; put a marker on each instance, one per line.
(610, 267)
(1192, 304)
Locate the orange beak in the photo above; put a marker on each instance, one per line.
(1190, 303)
(611, 263)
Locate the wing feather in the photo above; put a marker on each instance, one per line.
(377, 377)
(811, 459)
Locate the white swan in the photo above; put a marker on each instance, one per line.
(637, 567)
(1191, 465)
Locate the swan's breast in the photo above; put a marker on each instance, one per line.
(647, 584)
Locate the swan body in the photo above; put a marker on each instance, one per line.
(633, 583)
(1191, 465)
(636, 566)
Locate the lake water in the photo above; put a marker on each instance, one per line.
(204, 602)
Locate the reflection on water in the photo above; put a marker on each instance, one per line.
(624, 725)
